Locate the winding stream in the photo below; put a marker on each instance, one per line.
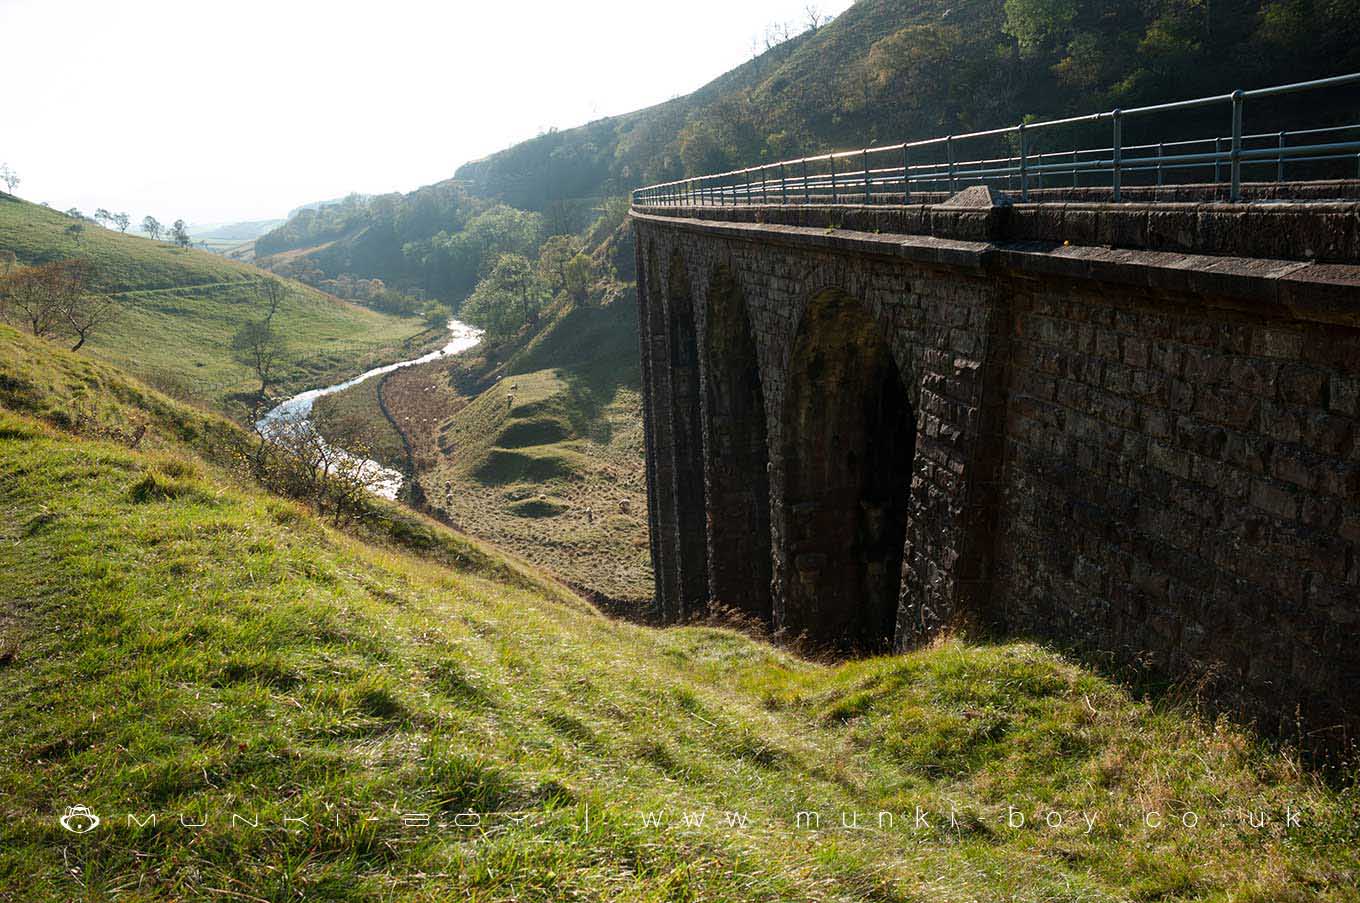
(383, 481)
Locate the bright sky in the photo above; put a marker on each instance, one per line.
(224, 111)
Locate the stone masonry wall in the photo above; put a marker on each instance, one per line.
(1181, 488)
(1152, 456)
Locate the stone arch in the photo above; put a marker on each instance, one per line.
(657, 424)
(848, 449)
(688, 440)
(736, 458)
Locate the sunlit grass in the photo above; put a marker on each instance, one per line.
(184, 644)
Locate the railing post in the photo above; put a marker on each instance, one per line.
(1160, 179)
(866, 176)
(748, 186)
(783, 185)
(1218, 163)
(807, 190)
(1024, 164)
(1237, 104)
(1076, 158)
(1279, 160)
(906, 173)
(1118, 154)
(835, 194)
(949, 155)
(764, 187)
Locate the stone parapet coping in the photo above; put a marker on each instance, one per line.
(1323, 292)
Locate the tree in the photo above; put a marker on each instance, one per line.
(272, 292)
(74, 213)
(815, 19)
(436, 314)
(179, 234)
(122, 221)
(103, 217)
(152, 227)
(76, 231)
(563, 266)
(260, 347)
(553, 259)
(9, 177)
(83, 312)
(1035, 23)
(39, 297)
(509, 298)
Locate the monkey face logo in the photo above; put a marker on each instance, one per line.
(79, 820)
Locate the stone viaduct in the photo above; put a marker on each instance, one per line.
(1132, 428)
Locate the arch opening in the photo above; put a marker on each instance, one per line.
(848, 460)
(688, 441)
(736, 457)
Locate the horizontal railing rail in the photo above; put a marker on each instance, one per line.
(893, 172)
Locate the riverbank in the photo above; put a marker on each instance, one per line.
(295, 411)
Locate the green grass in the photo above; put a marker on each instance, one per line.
(182, 306)
(175, 641)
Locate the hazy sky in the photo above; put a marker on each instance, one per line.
(221, 111)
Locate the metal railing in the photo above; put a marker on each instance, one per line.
(892, 173)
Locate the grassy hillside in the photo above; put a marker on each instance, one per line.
(175, 642)
(180, 308)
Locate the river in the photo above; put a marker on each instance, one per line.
(383, 481)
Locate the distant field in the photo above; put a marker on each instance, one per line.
(181, 308)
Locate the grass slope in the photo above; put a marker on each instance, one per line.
(175, 642)
(182, 306)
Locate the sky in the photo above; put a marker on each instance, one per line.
(226, 111)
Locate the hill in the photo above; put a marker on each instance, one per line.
(180, 308)
(882, 72)
(237, 232)
(891, 70)
(176, 642)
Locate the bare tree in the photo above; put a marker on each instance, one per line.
(122, 221)
(259, 346)
(294, 459)
(152, 227)
(9, 177)
(37, 297)
(84, 312)
(272, 292)
(815, 19)
(103, 217)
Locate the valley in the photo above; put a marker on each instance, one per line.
(234, 666)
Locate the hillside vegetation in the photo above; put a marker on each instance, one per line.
(180, 307)
(174, 641)
(891, 70)
(882, 72)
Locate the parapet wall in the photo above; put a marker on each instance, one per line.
(1136, 431)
